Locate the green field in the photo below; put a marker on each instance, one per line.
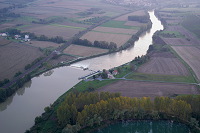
(111, 32)
(66, 26)
(85, 85)
(118, 24)
(157, 77)
(192, 23)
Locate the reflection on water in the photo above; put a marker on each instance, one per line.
(116, 59)
(145, 127)
(18, 112)
(19, 92)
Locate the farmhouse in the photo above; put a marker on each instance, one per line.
(17, 37)
(3, 34)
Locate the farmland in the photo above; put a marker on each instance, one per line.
(165, 64)
(52, 30)
(125, 17)
(83, 50)
(118, 30)
(186, 22)
(4, 41)
(119, 39)
(190, 55)
(148, 89)
(115, 30)
(14, 57)
(43, 44)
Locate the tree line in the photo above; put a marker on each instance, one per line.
(90, 109)
(100, 44)
(6, 92)
(13, 32)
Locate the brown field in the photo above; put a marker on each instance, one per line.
(65, 8)
(6, 25)
(14, 57)
(190, 55)
(115, 30)
(164, 63)
(148, 89)
(43, 44)
(125, 17)
(178, 41)
(52, 31)
(119, 39)
(4, 41)
(83, 50)
(134, 23)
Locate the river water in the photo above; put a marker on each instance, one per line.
(18, 112)
(116, 59)
(145, 127)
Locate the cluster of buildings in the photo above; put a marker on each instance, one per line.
(17, 37)
(25, 39)
(146, 3)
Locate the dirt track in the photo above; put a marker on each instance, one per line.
(149, 89)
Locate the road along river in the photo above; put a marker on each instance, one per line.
(18, 112)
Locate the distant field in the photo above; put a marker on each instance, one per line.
(148, 89)
(68, 8)
(189, 38)
(118, 24)
(175, 33)
(134, 23)
(83, 50)
(192, 9)
(119, 39)
(165, 64)
(4, 41)
(115, 30)
(14, 57)
(125, 17)
(178, 41)
(6, 25)
(192, 23)
(53, 30)
(66, 26)
(190, 55)
(43, 44)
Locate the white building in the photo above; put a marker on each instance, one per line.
(26, 38)
(3, 34)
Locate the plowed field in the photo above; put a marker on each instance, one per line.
(148, 89)
(14, 57)
(83, 50)
(119, 39)
(190, 55)
(165, 64)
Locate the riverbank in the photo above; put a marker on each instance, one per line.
(48, 88)
(8, 89)
(53, 114)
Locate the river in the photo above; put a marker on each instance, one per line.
(18, 112)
